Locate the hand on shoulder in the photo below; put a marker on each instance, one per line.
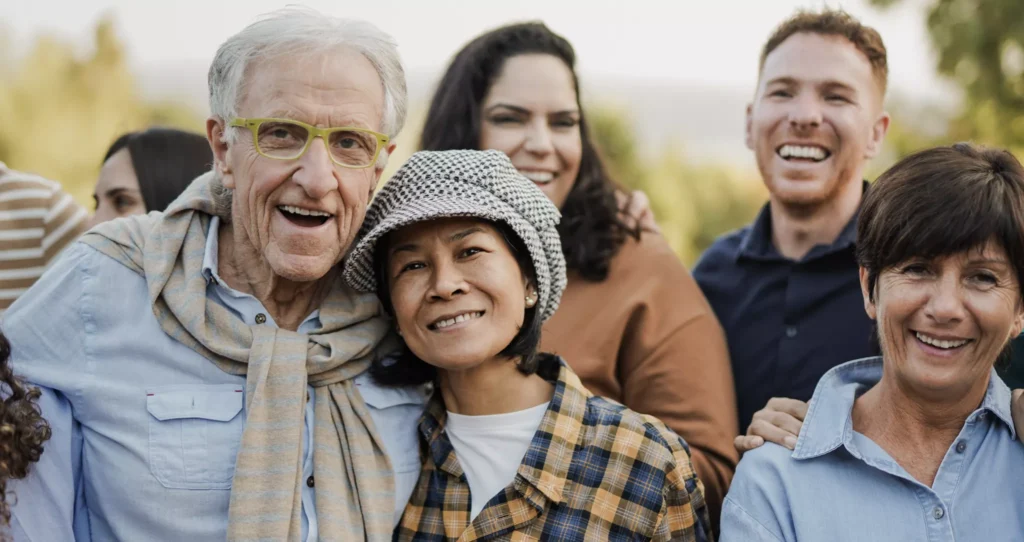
(779, 422)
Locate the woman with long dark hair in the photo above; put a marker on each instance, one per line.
(633, 323)
(146, 171)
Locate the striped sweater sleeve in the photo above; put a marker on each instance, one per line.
(37, 220)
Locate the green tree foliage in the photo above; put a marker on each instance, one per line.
(62, 110)
(693, 203)
(980, 46)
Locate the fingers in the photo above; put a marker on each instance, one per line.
(745, 443)
(796, 409)
(779, 422)
(772, 433)
(640, 210)
(639, 205)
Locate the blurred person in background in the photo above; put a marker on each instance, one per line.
(37, 221)
(632, 323)
(145, 171)
(918, 443)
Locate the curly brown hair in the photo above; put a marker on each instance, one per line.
(22, 428)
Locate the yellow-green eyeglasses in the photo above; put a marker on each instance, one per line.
(286, 139)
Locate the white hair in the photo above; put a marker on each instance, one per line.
(300, 30)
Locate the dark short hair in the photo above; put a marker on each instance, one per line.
(939, 202)
(831, 22)
(407, 369)
(22, 428)
(591, 229)
(165, 161)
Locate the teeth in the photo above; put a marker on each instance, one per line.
(796, 151)
(945, 345)
(541, 177)
(300, 211)
(460, 318)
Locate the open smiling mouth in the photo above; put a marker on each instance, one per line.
(803, 153)
(306, 218)
(942, 344)
(538, 177)
(446, 322)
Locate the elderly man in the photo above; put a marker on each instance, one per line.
(203, 370)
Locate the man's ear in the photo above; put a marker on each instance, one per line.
(869, 305)
(878, 131)
(216, 134)
(390, 150)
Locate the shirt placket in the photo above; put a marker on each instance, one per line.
(252, 312)
(790, 339)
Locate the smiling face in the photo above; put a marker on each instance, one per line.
(532, 115)
(117, 189)
(816, 119)
(458, 294)
(942, 323)
(301, 215)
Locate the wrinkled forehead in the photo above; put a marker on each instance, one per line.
(331, 88)
(816, 59)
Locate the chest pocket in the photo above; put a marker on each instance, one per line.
(194, 434)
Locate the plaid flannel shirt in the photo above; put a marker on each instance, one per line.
(595, 470)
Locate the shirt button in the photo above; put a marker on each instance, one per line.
(309, 482)
(261, 318)
(938, 512)
(960, 447)
(791, 332)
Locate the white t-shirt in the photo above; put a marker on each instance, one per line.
(490, 449)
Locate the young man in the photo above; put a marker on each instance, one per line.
(785, 288)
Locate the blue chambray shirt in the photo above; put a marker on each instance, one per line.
(838, 485)
(145, 430)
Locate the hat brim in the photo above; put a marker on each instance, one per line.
(360, 266)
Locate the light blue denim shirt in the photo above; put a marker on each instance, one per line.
(145, 430)
(838, 485)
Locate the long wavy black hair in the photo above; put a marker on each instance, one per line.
(591, 229)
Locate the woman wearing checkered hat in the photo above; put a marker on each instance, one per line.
(633, 323)
(464, 254)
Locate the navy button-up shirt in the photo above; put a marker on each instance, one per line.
(787, 322)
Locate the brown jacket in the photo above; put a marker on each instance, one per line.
(647, 338)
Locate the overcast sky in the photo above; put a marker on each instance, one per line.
(710, 42)
(681, 69)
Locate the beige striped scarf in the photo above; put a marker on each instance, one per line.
(353, 481)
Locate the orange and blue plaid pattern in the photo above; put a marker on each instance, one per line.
(595, 470)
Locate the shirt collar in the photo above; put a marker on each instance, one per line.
(829, 424)
(242, 303)
(546, 464)
(757, 243)
(211, 258)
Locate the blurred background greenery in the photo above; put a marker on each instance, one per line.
(78, 104)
